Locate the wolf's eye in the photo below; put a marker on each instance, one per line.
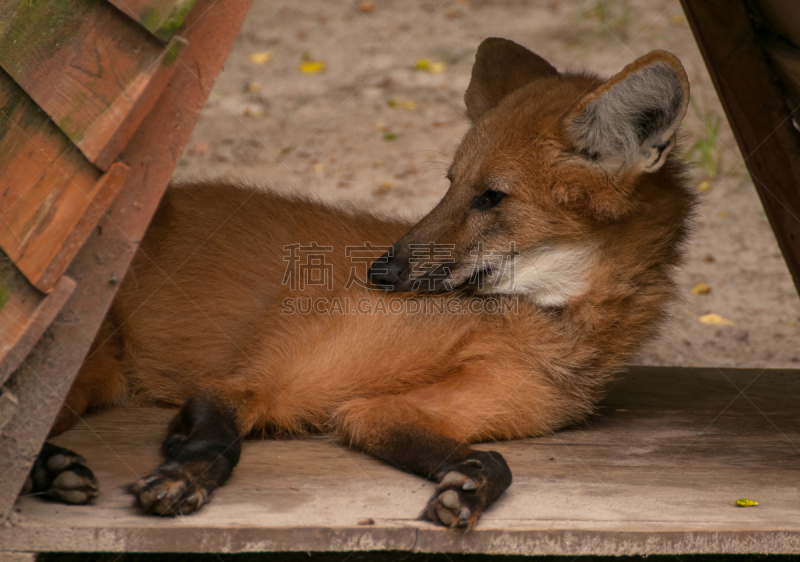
(487, 199)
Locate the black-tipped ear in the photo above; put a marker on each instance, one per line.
(631, 120)
(501, 66)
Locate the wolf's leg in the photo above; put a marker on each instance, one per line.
(202, 447)
(427, 431)
(59, 473)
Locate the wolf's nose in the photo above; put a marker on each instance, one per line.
(384, 273)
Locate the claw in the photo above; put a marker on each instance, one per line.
(449, 498)
(149, 480)
(463, 516)
(474, 462)
(469, 485)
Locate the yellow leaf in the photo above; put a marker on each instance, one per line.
(427, 65)
(704, 186)
(409, 104)
(701, 289)
(260, 58)
(723, 214)
(744, 502)
(312, 67)
(715, 320)
(422, 64)
(253, 87)
(386, 185)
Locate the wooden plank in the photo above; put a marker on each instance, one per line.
(784, 16)
(17, 556)
(46, 237)
(9, 404)
(162, 18)
(786, 61)
(760, 121)
(52, 196)
(25, 315)
(653, 472)
(43, 380)
(89, 67)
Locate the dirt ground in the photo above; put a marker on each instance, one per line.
(373, 129)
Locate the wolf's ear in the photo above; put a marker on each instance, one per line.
(501, 66)
(631, 120)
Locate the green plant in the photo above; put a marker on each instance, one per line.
(705, 152)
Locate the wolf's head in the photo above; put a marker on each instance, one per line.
(554, 169)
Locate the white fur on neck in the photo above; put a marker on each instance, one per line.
(549, 275)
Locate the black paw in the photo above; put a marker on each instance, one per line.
(62, 475)
(467, 488)
(172, 489)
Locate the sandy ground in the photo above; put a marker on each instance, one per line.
(326, 134)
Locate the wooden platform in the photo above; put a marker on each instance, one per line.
(655, 471)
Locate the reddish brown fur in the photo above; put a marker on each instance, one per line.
(200, 309)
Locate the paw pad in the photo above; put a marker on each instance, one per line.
(169, 492)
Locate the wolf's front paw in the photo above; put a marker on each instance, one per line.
(467, 488)
(62, 475)
(172, 489)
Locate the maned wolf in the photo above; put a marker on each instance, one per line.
(500, 315)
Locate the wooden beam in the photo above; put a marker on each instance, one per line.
(162, 18)
(51, 196)
(751, 96)
(45, 376)
(655, 471)
(25, 315)
(95, 72)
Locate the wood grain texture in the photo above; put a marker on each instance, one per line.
(8, 406)
(87, 66)
(653, 472)
(786, 61)
(41, 383)
(162, 18)
(784, 16)
(19, 301)
(24, 318)
(752, 100)
(52, 196)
